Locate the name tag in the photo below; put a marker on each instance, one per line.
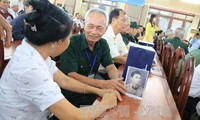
(91, 76)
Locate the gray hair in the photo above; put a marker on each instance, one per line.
(179, 32)
(168, 32)
(14, 3)
(96, 10)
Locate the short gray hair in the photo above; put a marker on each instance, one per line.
(97, 10)
(168, 32)
(179, 32)
(14, 3)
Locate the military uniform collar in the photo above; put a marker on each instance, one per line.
(176, 38)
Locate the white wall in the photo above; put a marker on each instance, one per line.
(175, 5)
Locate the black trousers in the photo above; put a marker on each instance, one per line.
(191, 104)
(190, 107)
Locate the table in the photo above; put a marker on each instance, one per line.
(157, 102)
(8, 52)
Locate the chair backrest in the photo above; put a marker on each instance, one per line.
(160, 49)
(1, 57)
(185, 85)
(167, 54)
(178, 55)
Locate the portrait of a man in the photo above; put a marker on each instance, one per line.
(134, 87)
(135, 81)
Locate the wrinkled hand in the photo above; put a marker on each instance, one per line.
(109, 100)
(7, 43)
(115, 84)
(104, 91)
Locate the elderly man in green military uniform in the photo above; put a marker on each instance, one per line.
(177, 40)
(133, 32)
(84, 55)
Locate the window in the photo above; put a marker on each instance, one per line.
(106, 5)
(171, 19)
(198, 26)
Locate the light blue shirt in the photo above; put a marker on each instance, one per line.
(195, 44)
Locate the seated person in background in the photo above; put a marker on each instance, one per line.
(18, 24)
(140, 34)
(4, 5)
(78, 24)
(195, 42)
(194, 39)
(29, 86)
(21, 6)
(160, 35)
(134, 87)
(118, 49)
(4, 25)
(195, 54)
(177, 40)
(169, 34)
(194, 93)
(13, 10)
(82, 22)
(84, 55)
(125, 31)
(132, 32)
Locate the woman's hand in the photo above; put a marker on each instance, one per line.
(116, 93)
(109, 100)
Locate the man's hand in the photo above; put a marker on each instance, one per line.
(104, 91)
(7, 43)
(115, 84)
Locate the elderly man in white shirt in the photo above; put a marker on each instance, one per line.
(118, 49)
(194, 93)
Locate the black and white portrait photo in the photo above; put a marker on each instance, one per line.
(135, 81)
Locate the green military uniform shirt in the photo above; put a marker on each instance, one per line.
(137, 35)
(125, 38)
(177, 42)
(196, 54)
(74, 58)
